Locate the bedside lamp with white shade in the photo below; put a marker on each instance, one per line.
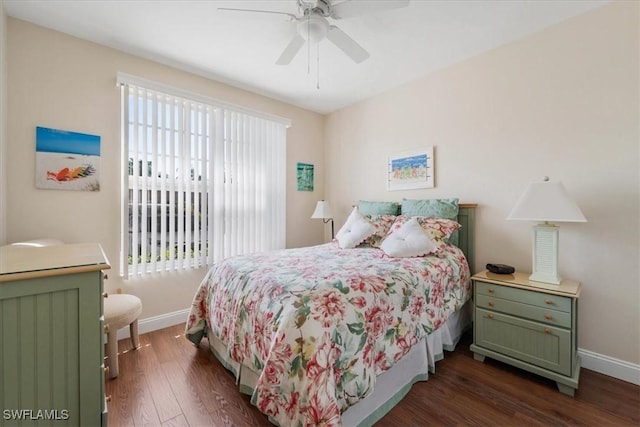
(323, 211)
(546, 202)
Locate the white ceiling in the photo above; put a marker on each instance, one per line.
(241, 48)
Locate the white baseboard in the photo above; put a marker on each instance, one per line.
(610, 366)
(606, 365)
(155, 323)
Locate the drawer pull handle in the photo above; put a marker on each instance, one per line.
(547, 330)
(105, 295)
(490, 316)
(491, 290)
(548, 316)
(490, 304)
(548, 301)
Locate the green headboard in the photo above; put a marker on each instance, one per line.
(466, 235)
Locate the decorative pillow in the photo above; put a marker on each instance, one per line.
(440, 230)
(433, 208)
(382, 224)
(354, 231)
(378, 208)
(410, 240)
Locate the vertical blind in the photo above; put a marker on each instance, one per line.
(202, 180)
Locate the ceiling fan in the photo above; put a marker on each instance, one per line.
(313, 25)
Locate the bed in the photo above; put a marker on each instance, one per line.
(334, 336)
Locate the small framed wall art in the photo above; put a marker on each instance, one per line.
(67, 160)
(411, 169)
(305, 177)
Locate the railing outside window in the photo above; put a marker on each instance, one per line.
(201, 181)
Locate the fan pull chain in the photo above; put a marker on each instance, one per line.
(318, 66)
(308, 47)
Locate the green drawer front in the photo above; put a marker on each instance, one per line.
(531, 312)
(542, 345)
(540, 299)
(101, 360)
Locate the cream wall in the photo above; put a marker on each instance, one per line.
(3, 121)
(562, 103)
(62, 82)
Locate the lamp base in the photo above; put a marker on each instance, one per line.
(545, 254)
(333, 235)
(545, 279)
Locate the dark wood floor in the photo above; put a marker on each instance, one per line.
(170, 382)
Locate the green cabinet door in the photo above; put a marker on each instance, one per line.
(542, 345)
(51, 351)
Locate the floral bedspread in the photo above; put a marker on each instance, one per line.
(320, 323)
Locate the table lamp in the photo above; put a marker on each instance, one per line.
(546, 202)
(323, 211)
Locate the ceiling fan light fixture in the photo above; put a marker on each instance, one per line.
(307, 4)
(312, 24)
(313, 28)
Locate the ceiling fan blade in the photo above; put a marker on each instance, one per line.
(258, 11)
(291, 50)
(351, 8)
(347, 44)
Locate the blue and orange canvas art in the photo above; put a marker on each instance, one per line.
(67, 160)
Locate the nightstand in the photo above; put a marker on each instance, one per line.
(530, 325)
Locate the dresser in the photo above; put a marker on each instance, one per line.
(51, 335)
(530, 325)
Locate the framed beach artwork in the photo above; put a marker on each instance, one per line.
(305, 177)
(67, 160)
(411, 169)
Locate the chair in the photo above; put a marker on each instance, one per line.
(120, 310)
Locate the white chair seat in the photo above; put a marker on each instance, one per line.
(120, 310)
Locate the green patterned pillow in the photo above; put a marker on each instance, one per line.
(431, 208)
(366, 207)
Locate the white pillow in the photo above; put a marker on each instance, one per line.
(354, 231)
(410, 240)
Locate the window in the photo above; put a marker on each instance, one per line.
(202, 180)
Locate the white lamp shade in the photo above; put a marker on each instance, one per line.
(323, 210)
(546, 201)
